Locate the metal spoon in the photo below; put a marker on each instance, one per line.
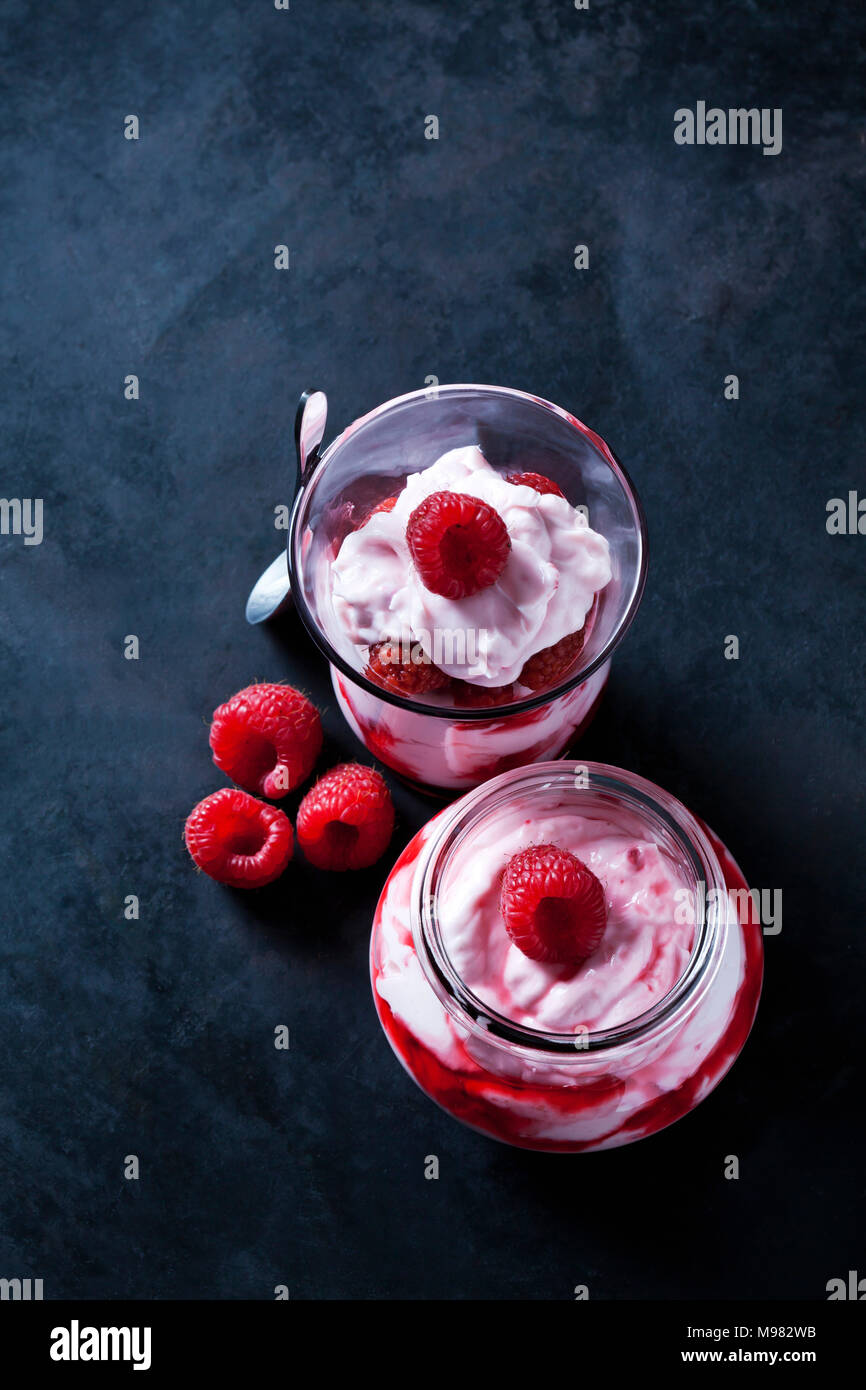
(272, 590)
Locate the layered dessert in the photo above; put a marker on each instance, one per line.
(469, 587)
(468, 591)
(566, 924)
(447, 755)
(545, 966)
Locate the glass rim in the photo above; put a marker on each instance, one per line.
(487, 712)
(486, 1021)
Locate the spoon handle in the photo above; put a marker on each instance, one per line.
(272, 590)
(311, 417)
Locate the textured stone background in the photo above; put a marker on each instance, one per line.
(409, 258)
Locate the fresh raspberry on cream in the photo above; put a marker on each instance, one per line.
(641, 954)
(555, 566)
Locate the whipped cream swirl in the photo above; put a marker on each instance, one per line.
(556, 565)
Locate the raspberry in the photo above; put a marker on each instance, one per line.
(404, 668)
(387, 505)
(480, 696)
(551, 663)
(345, 821)
(536, 481)
(459, 544)
(238, 840)
(266, 738)
(552, 905)
(343, 525)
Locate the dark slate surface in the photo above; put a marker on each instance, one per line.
(409, 258)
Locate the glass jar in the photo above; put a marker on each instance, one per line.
(578, 1089)
(434, 742)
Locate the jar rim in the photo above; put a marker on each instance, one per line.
(579, 675)
(710, 924)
